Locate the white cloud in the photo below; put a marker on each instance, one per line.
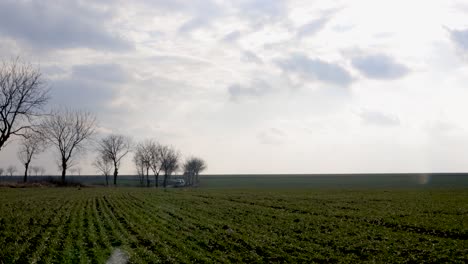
(220, 79)
(378, 119)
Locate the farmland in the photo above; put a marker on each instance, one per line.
(72, 225)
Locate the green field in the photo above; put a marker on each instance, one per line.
(70, 225)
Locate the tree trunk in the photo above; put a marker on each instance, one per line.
(107, 180)
(64, 171)
(165, 180)
(115, 175)
(147, 178)
(156, 179)
(26, 165)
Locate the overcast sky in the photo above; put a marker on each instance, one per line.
(259, 86)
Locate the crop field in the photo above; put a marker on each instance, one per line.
(70, 225)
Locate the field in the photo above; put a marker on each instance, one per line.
(70, 225)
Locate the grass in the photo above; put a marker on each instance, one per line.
(70, 225)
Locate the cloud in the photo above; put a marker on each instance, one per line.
(272, 136)
(376, 118)
(231, 37)
(112, 73)
(59, 25)
(312, 27)
(256, 88)
(460, 38)
(249, 56)
(316, 70)
(194, 23)
(262, 11)
(91, 86)
(379, 66)
(202, 13)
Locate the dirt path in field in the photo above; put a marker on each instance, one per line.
(117, 257)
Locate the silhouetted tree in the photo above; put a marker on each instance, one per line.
(192, 168)
(69, 131)
(42, 171)
(155, 150)
(114, 148)
(23, 94)
(169, 162)
(36, 170)
(140, 168)
(11, 170)
(142, 158)
(104, 165)
(29, 147)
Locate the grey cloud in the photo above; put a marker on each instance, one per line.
(378, 119)
(231, 37)
(316, 70)
(460, 38)
(194, 23)
(313, 27)
(379, 66)
(249, 56)
(256, 88)
(178, 60)
(100, 72)
(81, 93)
(58, 25)
(202, 12)
(262, 11)
(89, 86)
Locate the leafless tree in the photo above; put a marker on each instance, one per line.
(192, 168)
(1, 172)
(36, 170)
(140, 167)
(42, 171)
(142, 158)
(31, 145)
(103, 165)
(68, 130)
(114, 148)
(23, 94)
(156, 151)
(11, 170)
(169, 162)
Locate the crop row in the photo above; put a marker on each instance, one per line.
(184, 226)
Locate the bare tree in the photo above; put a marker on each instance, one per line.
(36, 170)
(114, 148)
(192, 168)
(142, 158)
(156, 161)
(169, 162)
(140, 167)
(23, 94)
(11, 170)
(1, 172)
(31, 145)
(42, 171)
(103, 165)
(69, 131)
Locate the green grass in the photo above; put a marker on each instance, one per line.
(68, 225)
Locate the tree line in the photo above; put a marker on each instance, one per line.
(23, 97)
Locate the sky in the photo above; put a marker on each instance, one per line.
(258, 86)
